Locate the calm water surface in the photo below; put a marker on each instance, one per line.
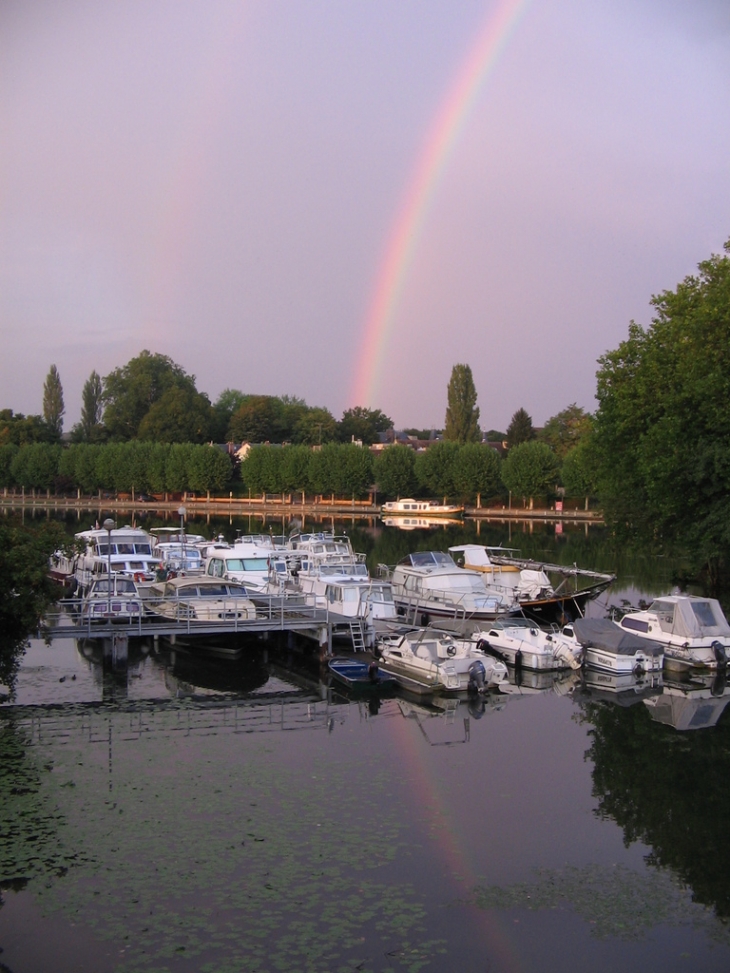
(209, 814)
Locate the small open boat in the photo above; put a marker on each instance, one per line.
(358, 675)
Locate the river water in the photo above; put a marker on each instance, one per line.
(216, 814)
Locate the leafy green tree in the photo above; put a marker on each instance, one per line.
(530, 470)
(565, 430)
(156, 473)
(180, 415)
(176, 467)
(131, 391)
(36, 465)
(294, 470)
(663, 421)
(209, 469)
(315, 426)
(363, 424)
(495, 436)
(435, 468)
(90, 429)
(7, 455)
(477, 471)
(462, 412)
(395, 471)
(86, 466)
(256, 470)
(21, 430)
(579, 472)
(520, 429)
(53, 408)
(25, 588)
(260, 419)
(223, 408)
(107, 465)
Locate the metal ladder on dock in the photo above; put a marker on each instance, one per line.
(358, 636)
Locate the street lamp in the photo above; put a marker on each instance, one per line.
(109, 526)
(182, 511)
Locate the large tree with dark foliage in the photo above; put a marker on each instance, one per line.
(53, 407)
(363, 424)
(663, 423)
(462, 412)
(131, 391)
(520, 429)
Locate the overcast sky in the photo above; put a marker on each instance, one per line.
(219, 181)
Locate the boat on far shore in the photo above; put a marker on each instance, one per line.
(409, 507)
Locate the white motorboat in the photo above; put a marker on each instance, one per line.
(247, 563)
(693, 631)
(199, 599)
(409, 507)
(428, 584)
(546, 592)
(520, 642)
(126, 550)
(425, 661)
(607, 646)
(111, 600)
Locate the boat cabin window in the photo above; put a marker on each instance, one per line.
(381, 593)
(119, 586)
(634, 624)
(247, 564)
(215, 568)
(213, 591)
(704, 613)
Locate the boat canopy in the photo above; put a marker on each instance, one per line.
(691, 617)
(605, 635)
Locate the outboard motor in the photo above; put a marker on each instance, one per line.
(720, 654)
(373, 674)
(477, 677)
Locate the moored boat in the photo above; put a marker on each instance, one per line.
(428, 584)
(199, 599)
(692, 631)
(425, 661)
(608, 647)
(520, 642)
(546, 592)
(409, 507)
(357, 675)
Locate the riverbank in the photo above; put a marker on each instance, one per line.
(276, 507)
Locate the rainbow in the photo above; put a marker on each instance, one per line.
(446, 129)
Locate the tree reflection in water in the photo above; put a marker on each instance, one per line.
(670, 791)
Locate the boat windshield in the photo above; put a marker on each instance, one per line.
(247, 564)
(430, 559)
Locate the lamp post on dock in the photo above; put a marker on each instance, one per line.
(182, 511)
(109, 526)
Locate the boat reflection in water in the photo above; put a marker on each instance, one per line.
(694, 705)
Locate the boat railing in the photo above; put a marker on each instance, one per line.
(71, 616)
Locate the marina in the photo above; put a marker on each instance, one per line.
(255, 740)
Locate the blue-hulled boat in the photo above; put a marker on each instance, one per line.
(359, 675)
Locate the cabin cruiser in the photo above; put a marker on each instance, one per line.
(607, 646)
(247, 563)
(429, 584)
(519, 642)
(426, 661)
(126, 550)
(530, 582)
(357, 605)
(199, 599)
(693, 631)
(420, 508)
(112, 599)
